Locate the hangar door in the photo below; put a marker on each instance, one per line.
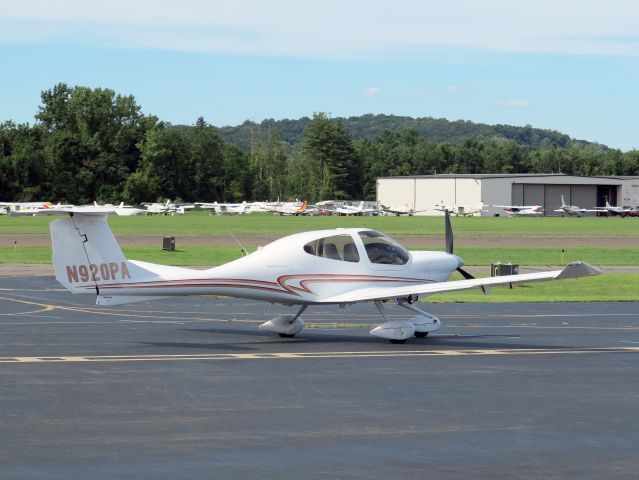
(528, 194)
(552, 198)
(584, 196)
(549, 195)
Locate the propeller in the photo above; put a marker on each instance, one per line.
(449, 246)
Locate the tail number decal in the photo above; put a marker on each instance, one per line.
(97, 272)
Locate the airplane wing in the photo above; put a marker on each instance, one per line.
(572, 270)
(68, 210)
(519, 207)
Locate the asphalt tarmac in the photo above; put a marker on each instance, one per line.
(190, 388)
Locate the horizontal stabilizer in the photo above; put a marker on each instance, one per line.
(88, 210)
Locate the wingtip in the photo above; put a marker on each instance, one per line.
(578, 269)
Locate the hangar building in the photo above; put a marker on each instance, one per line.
(424, 193)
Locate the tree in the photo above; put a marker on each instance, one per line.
(267, 166)
(160, 172)
(337, 168)
(90, 140)
(204, 163)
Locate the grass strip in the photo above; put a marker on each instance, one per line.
(483, 256)
(200, 223)
(602, 288)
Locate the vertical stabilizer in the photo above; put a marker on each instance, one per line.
(86, 255)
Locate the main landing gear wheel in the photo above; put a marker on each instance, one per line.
(286, 326)
(421, 334)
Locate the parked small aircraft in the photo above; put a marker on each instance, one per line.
(571, 210)
(167, 208)
(353, 210)
(520, 210)
(399, 210)
(123, 210)
(612, 210)
(39, 209)
(225, 208)
(340, 266)
(459, 210)
(11, 207)
(289, 208)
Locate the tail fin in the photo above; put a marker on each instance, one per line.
(303, 207)
(86, 255)
(563, 202)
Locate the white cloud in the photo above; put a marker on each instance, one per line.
(452, 88)
(333, 28)
(372, 91)
(515, 104)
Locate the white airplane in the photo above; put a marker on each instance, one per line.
(122, 209)
(127, 210)
(354, 210)
(459, 210)
(39, 209)
(167, 208)
(612, 210)
(225, 208)
(520, 210)
(399, 210)
(340, 266)
(290, 208)
(10, 207)
(571, 210)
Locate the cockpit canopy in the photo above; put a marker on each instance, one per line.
(383, 249)
(379, 248)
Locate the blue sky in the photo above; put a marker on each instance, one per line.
(571, 66)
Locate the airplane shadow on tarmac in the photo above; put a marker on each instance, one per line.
(308, 337)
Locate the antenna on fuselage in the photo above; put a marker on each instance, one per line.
(242, 249)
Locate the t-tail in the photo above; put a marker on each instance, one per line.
(86, 257)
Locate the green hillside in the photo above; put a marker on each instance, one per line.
(436, 130)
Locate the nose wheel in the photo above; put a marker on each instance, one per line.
(286, 326)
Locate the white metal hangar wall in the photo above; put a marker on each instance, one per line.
(424, 194)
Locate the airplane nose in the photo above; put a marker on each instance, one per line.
(460, 261)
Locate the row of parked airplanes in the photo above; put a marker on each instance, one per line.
(570, 210)
(215, 208)
(303, 208)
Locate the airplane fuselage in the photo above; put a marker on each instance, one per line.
(299, 269)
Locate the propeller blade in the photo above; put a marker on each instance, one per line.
(465, 274)
(469, 276)
(449, 232)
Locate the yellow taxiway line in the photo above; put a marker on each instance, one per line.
(318, 355)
